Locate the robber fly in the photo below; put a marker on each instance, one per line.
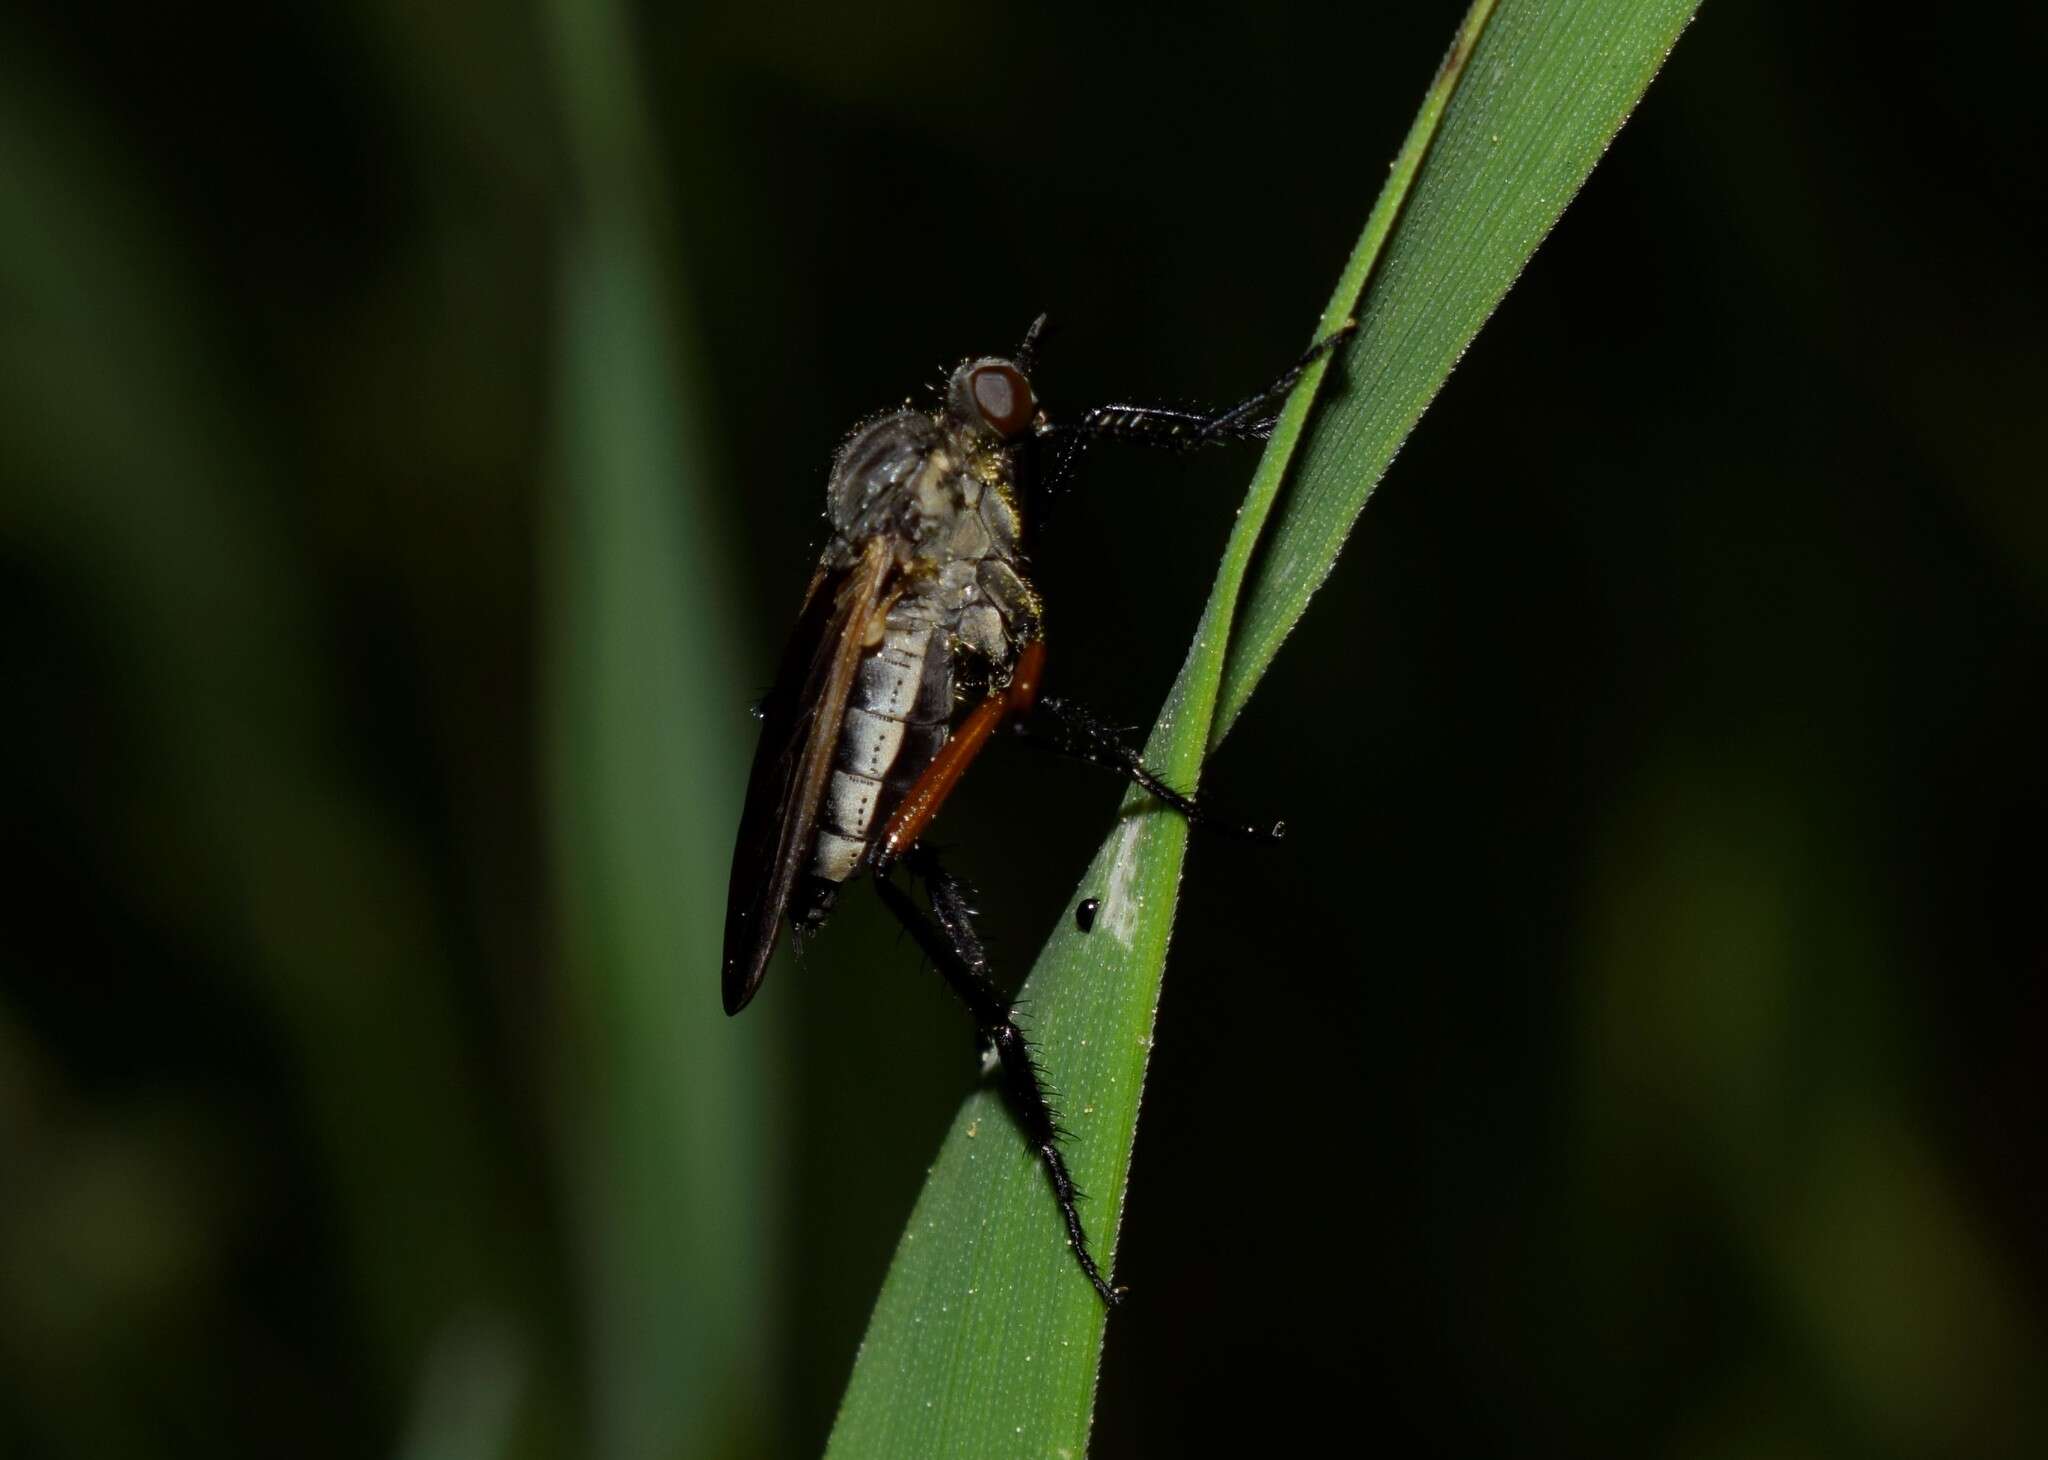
(920, 637)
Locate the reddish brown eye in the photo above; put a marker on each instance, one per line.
(1003, 397)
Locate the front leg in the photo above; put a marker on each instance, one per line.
(1066, 728)
(1251, 419)
(948, 939)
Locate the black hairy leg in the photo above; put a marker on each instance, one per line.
(1251, 419)
(1066, 728)
(948, 939)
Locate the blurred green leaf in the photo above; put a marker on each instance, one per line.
(235, 805)
(985, 1341)
(645, 747)
(1736, 1041)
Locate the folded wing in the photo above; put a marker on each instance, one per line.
(801, 722)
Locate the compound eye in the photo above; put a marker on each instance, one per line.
(1003, 396)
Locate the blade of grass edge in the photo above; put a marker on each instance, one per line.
(1551, 87)
(983, 1340)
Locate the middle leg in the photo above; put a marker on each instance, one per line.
(1066, 728)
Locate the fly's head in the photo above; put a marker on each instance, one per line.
(989, 404)
(990, 418)
(991, 412)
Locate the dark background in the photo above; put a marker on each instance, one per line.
(413, 421)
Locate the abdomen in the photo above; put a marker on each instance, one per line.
(897, 719)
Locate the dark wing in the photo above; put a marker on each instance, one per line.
(801, 720)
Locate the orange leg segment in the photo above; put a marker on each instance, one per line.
(930, 790)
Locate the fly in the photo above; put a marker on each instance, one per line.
(920, 637)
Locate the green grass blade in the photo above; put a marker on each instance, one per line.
(1547, 90)
(984, 1340)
